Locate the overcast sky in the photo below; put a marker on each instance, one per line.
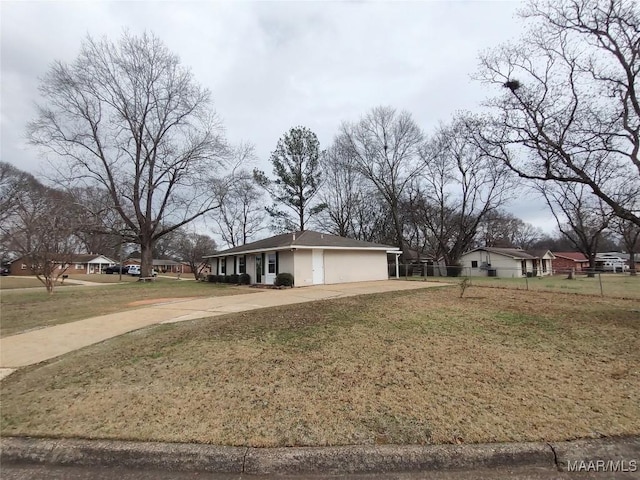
(274, 65)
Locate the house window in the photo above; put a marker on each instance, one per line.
(79, 266)
(272, 263)
(242, 264)
(544, 265)
(474, 264)
(523, 265)
(223, 266)
(23, 266)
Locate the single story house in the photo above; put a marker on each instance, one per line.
(313, 258)
(76, 263)
(506, 262)
(565, 262)
(163, 265)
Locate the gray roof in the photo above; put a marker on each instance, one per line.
(508, 252)
(156, 261)
(307, 238)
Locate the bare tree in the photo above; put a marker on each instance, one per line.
(130, 119)
(460, 186)
(93, 214)
(241, 215)
(384, 146)
(40, 231)
(570, 111)
(630, 235)
(13, 185)
(582, 217)
(192, 247)
(502, 229)
(296, 168)
(343, 192)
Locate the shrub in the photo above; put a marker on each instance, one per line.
(245, 279)
(284, 280)
(211, 278)
(235, 279)
(225, 279)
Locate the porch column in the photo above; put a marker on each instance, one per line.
(397, 266)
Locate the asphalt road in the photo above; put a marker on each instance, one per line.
(45, 472)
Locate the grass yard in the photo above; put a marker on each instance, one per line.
(10, 283)
(414, 367)
(25, 310)
(615, 286)
(13, 282)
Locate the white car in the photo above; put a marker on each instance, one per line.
(134, 270)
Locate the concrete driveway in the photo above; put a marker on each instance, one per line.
(43, 344)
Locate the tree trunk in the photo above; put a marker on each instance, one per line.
(592, 266)
(632, 263)
(146, 258)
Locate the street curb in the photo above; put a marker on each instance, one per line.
(312, 460)
(395, 458)
(109, 453)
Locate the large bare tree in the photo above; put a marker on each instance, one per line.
(128, 118)
(570, 110)
(384, 146)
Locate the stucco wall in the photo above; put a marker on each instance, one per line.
(506, 267)
(250, 266)
(303, 274)
(341, 266)
(285, 262)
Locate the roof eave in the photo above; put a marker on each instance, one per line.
(302, 247)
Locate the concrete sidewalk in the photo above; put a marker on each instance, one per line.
(43, 344)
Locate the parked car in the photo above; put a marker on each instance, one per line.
(134, 270)
(4, 271)
(116, 269)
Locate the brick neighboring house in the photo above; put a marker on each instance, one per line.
(88, 263)
(568, 261)
(163, 265)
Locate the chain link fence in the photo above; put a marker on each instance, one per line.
(605, 284)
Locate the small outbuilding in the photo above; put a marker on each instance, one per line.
(313, 258)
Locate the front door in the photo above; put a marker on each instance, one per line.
(258, 268)
(270, 275)
(317, 266)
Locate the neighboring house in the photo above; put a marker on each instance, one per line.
(506, 262)
(313, 258)
(163, 265)
(612, 262)
(78, 263)
(565, 262)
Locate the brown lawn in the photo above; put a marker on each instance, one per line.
(24, 310)
(416, 367)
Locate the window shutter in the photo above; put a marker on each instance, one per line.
(277, 263)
